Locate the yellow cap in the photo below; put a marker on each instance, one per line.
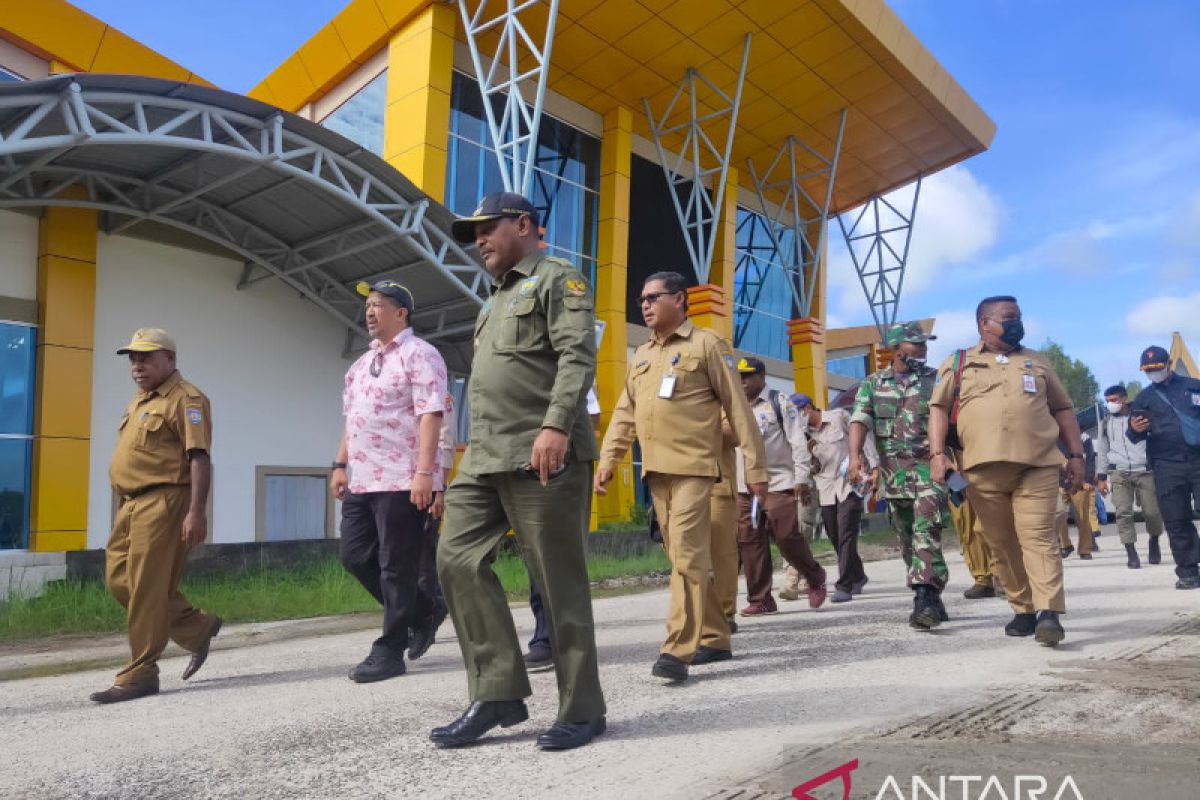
(147, 340)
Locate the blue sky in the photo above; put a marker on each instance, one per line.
(1087, 207)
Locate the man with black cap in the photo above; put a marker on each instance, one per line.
(528, 467)
(161, 471)
(387, 470)
(893, 403)
(1166, 415)
(788, 475)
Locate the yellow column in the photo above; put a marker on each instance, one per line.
(807, 338)
(710, 305)
(417, 121)
(62, 423)
(612, 272)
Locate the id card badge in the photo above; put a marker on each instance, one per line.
(1029, 383)
(667, 387)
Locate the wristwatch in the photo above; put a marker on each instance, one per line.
(1077, 455)
(339, 465)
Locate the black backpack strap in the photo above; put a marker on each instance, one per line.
(773, 399)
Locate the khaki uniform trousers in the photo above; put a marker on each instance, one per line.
(1084, 502)
(144, 563)
(683, 506)
(1016, 506)
(723, 510)
(980, 561)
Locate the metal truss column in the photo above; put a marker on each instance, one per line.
(878, 241)
(799, 212)
(698, 211)
(515, 133)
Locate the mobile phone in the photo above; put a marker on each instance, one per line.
(955, 481)
(527, 471)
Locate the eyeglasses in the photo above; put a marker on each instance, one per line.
(377, 364)
(652, 298)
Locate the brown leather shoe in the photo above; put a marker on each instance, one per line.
(200, 656)
(119, 693)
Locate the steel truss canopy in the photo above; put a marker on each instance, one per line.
(294, 201)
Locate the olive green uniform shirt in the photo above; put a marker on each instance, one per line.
(1006, 407)
(535, 359)
(158, 430)
(681, 435)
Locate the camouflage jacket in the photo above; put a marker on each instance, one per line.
(899, 417)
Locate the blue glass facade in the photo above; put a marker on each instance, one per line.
(762, 299)
(18, 346)
(360, 119)
(566, 180)
(850, 366)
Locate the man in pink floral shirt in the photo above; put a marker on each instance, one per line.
(387, 470)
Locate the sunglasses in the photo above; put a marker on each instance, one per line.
(652, 297)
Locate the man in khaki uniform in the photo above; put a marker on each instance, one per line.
(978, 556)
(678, 385)
(161, 470)
(1012, 410)
(528, 467)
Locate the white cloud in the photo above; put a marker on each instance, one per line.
(1184, 230)
(1163, 315)
(958, 219)
(954, 329)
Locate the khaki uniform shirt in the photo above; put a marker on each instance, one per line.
(681, 434)
(1005, 408)
(830, 443)
(788, 462)
(158, 430)
(535, 359)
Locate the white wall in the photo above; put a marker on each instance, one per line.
(18, 255)
(269, 361)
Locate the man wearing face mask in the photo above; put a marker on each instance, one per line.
(1011, 411)
(1122, 469)
(894, 403)
(1166, 416)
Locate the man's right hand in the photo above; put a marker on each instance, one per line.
(854, 468)
(339, 484)
(939, 465)
(603, 476)
(1140, 423)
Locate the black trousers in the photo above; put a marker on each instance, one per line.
(541, 629)
(1177, 484)
(382, 538)
(841, 526)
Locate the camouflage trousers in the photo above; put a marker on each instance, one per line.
(918, 524)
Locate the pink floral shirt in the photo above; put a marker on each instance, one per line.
(382, 412)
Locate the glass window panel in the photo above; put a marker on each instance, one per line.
(360, 119)
(850, 366)
(763, 298)
(16, 456)
(5, 75)
(17, 348)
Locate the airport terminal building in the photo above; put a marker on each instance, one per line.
(720, 138)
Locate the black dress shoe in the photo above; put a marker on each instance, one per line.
(1066, 551)
(1085, 556)
(707, 655)
(200, 656)
(378, 667)
(119, 694)
(539, 659)
(479, 718)
(569, 735)
(1190, 582)
(1048, 630)
(1021, 625)
(669, 667)
(733, 626)
(422, 637)
(1155, 554)
(979, 591)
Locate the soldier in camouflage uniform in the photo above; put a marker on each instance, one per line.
(894, 403)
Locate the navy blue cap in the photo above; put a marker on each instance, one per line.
(396, 291)
(1155, 358)
(493, 206)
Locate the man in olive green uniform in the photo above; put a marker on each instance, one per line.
(678, 385)
(894, 404)
(528, 466)
(1012, 410)
(161, 471)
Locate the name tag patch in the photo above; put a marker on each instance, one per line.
(194, 416)
(1029, 383)
(667, 387)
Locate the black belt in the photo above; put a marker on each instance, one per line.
(136, 493)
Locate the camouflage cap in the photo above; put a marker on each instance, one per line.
(906, 332)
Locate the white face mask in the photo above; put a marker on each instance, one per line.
(1114, 408)
(1158, 375)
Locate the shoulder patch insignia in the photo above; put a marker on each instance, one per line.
(576, 287)
(528, 285)
(195, 415)
(729, 361)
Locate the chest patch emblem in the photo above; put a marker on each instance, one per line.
(528, 286)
